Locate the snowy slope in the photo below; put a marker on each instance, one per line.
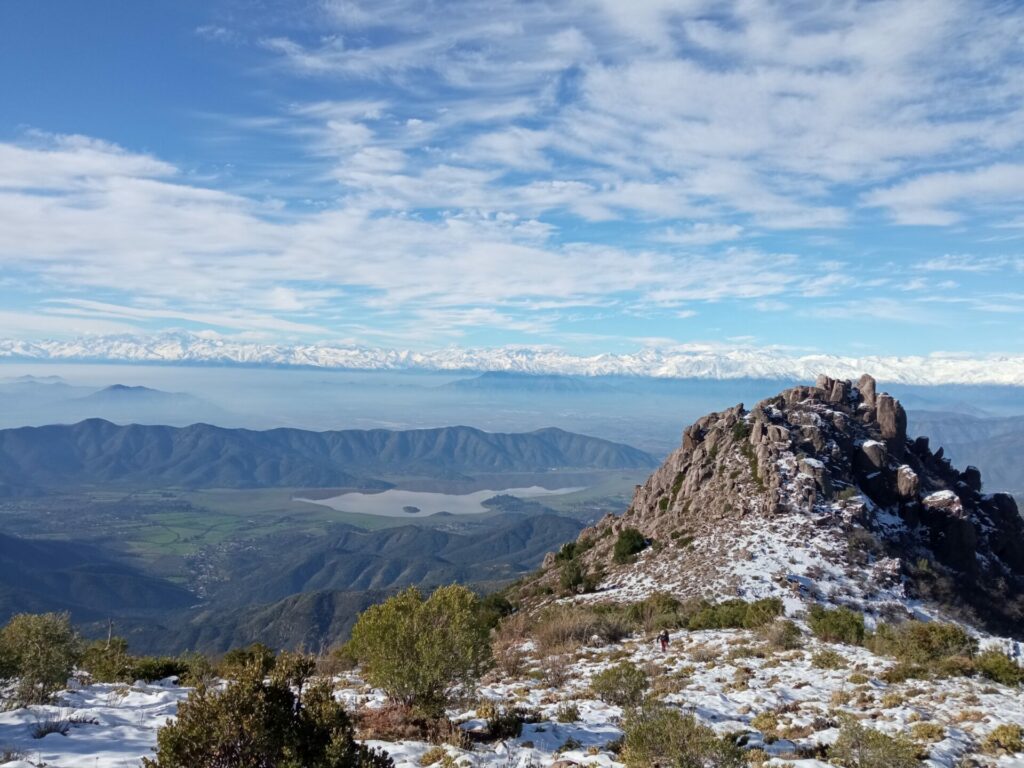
(726, 678)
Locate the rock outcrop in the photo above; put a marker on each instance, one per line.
(830, 462)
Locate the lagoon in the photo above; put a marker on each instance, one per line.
(400, 503)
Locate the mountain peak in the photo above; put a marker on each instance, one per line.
(818, 494)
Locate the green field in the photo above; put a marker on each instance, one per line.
(173, 524)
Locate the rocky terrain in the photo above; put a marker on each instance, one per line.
(818, 494)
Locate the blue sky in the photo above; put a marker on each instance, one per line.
(593, 175)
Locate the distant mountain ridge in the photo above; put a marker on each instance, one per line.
(96, 452)
(685, 362)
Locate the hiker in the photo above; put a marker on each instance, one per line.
(663, 639)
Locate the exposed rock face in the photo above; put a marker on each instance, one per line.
(835, 456)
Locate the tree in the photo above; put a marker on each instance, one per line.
(41, 651)
(255, 723)
(419, 650)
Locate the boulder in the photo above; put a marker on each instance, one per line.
(907, 482)
(866, 387)
(872, 455)
(892, 422)
(972, 478)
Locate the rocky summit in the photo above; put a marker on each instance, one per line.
(817, 494)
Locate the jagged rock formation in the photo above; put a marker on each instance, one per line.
(818, 493)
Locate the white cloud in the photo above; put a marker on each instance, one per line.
(176, 249)
(701, 233)
(937, 198)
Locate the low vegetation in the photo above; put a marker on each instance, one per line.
(623, 684)
(836, 625)
(659, 735)
(861, 747)
(737, 614)
(256, 722)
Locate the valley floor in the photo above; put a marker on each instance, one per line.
(726, 678)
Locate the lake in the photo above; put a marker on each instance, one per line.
(399, 503)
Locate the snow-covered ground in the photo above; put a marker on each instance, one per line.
(726, 678)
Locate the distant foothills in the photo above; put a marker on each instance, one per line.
(687, 361)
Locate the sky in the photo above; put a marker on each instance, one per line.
(590, 175)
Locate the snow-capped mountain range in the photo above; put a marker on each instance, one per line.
(689, 362)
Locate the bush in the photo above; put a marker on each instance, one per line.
(493, 608)
(828, 659)
(1007, 738)
(657, 611)
(41, 651)
(253, 723)
(257, 654)
(999, 667)
(560, 627)
(433, 755)
(622, 685)
(572, 576)
(419, 650)
(923, 642)
(928, 732)
(629, 543)
(838, 625)
(567, 712)
(782, 635)
(108, 661)
(150, 668)
(860, 747)
(505, 722)
(737, 614)
(659, 735)
(566, 553)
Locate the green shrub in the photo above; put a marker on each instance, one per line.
(150, 668)
(493, 608)
(923, 642)
(622, 685)
(505, 722)
(838, 625)
(782, 635)
(659, 735)
(41, 650)
(253, 723)
(419, 650)
(257, 654)
(860, 747)
(999, 667)
(737, 614)
(573, 576)
(629, 543)
(108, 661)
(566, 553)
(828, 659)
(657, 611)
(1004, 739)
